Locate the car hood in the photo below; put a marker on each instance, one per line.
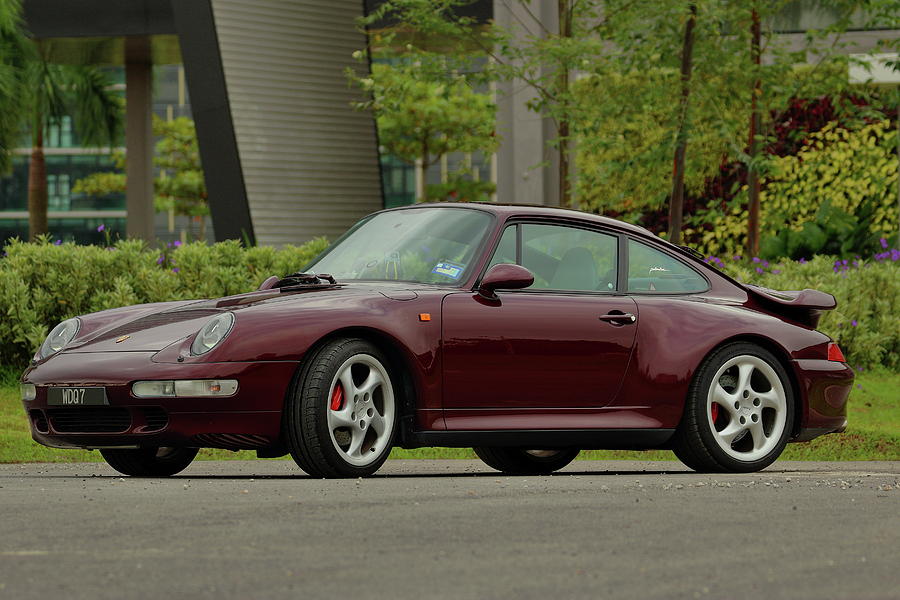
(152, 327)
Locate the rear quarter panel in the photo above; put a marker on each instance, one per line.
(676, 333)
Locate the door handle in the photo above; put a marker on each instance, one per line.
(619, 319)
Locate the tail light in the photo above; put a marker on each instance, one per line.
(834, 353)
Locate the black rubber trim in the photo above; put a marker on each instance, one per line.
(586, 439)
(812, 433)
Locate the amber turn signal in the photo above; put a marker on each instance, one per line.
(424, 316)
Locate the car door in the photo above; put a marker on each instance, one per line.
(562, 343)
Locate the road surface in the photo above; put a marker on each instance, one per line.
(451, 529)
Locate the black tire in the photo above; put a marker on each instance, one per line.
(697, 439)
(306, 428)
(150, 462)
(519, 461)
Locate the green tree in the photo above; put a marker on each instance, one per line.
(12, 46)
(179, 187)
(50, 92)
(422, 116)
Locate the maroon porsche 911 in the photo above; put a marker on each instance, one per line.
(527, 333)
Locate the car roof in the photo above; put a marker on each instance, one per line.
(534, 210)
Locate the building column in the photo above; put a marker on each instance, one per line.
(139, 138)
(527, 166)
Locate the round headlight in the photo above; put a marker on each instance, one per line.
(61, 335)
(212, 333)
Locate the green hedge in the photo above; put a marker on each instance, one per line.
(866, 322)
(42, 283)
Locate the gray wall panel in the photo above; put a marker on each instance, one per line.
(310, 162)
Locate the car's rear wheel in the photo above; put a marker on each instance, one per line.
(739, 412)
(518, 461)
(149, 462)
(340, 418)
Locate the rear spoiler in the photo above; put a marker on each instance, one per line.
(805, 306)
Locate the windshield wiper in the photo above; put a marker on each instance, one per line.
(303, 279)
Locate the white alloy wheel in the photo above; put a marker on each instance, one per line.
(361, 409)
(746, 408)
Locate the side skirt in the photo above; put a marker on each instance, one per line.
(586, 439)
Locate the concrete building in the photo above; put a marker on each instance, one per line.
(285, 156)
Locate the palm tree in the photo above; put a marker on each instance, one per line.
(36, 93)
(54, 91)
(12, 44)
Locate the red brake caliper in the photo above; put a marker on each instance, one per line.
(713, 412)
(337, 397)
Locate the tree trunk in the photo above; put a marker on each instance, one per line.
(565, 187)
(676, 203)
(752, 150)
(37, 184)
(422, 182)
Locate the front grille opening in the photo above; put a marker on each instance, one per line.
(99, 419)
(155, 418)
(39, 421)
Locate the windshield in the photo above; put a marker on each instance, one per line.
(426, 245)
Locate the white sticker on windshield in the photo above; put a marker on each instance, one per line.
(448, 269)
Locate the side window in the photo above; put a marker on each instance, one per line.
(506, 249)
(650, 270)
(567, 258)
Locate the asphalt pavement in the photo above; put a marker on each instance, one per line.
(451, 529)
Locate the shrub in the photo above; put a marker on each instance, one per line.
(866, 322)
(42, 283)
(838, 195)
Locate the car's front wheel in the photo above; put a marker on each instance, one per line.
(150, 462)
(340, 418)
(739, 412)
(518, 461)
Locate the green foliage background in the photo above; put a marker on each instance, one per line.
(866, 322)
(838, 195)
(42, 283)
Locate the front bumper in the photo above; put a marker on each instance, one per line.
(250, 419)
(826, 385)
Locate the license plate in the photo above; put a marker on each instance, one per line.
(76, 396)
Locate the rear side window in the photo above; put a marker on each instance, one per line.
(650, 270)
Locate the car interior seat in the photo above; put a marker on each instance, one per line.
(576, 271)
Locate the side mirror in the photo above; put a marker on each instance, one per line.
(505, 277)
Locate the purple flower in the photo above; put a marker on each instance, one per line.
(177, 243)
(765, 263)
(859, 386)
(101, 228)
(895, 254)
(160, 260)
(854, 323)
(884, 243)
(756, 259)
(802, 261)
(736, 257)
(776, 271)
(759, 270)
(844, 262)
(175, 269)
(57, 243)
